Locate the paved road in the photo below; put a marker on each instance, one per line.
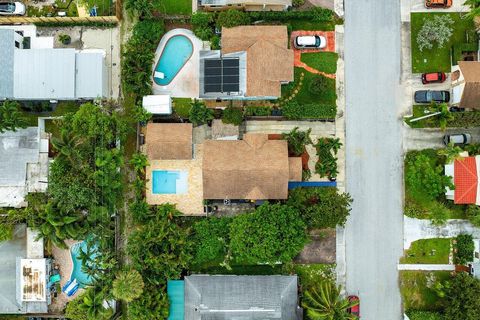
(374, 155)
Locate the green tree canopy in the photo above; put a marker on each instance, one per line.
(11, 117)
(272, 233)
(462, 299)
(321, 207)
(199, 113)
(232, 18)
(210, 239)
(128, 285)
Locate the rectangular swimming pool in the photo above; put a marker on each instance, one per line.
(169, 182)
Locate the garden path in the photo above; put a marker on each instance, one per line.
(415, 229)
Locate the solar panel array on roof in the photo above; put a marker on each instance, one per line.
(222, 75)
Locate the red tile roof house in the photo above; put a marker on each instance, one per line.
(464, 173)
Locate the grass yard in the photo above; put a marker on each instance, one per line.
(415, 287)
(460, 119)
(182, 106)
(311, 274)
(321, 61)
(437, 59)
(428, 251)
(104, 7)
(304, 96)
(176, 7)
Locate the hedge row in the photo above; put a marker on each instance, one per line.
(258, 111)
(294, 111)
(316, 14)
(465, 119)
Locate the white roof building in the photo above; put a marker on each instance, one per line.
(158, 104)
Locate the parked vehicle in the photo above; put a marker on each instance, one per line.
(11, 8)
(310, 42)
(458, 139)
(435, 4)
(434, 77)
(427, 96)
(355, 310)
(456, 109)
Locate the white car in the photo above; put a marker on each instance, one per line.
(310, 42)
(11, 8)
(458, 139)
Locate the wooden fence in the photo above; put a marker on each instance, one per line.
(59, 20)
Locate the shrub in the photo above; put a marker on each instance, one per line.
(210, 239)
(232, 18)
(424, 177)
(439, 213)
(316, 14)
(215, 42)
(272, 233)
(297, 3)
(464, 249)
(462, 301)
(201, 24)
(138, 54)
(6, 231)
(424, 315)
(232, 116)
(473, 214)
(11, 117)
(297, 140)
(143, 8)
(258, 111)
(435, 31)
(327, 149)
(199, 113)
(292, 110)
(64, 38)
(321, 207)
(319, 85)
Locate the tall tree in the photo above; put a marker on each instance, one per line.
(324, 302)
(474, 8)
(128, 285)
(10, 117)
(462, 298)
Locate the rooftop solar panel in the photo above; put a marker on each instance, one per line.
(221, 75)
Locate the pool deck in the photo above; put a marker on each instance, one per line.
(190, 203)
(63, 259)
(186, 82)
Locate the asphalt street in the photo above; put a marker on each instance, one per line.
(374, 238)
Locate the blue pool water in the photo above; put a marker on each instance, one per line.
(169, 182)
(82, 278)
(175, 54)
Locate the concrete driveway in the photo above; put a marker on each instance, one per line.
(374, 231)
(418, 139)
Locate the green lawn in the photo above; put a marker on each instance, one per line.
(437, 59)
(176, 7)
(459, 120)
(415, 287)
(104, 7)
(182, 106)
(322, 61)
(311, 274)
(427, 251)
(304, 96)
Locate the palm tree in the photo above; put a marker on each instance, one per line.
(139, 161)
(451, 153)
(199, 113)
(474, 8)
(335, 145)
(324, 302)
(11, 117)
(66, 145)
(297, 140)
(128, 285)
(444, 114)
(93, 304)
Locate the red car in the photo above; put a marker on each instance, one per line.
(434, 77)
(355, 310)
(443, 4)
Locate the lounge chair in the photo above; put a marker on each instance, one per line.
(70, 287)
(159, 75)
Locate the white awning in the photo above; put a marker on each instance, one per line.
(158, 104)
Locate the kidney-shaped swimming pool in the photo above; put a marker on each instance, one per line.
(177, 51)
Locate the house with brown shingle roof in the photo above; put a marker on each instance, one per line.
(254, 168)
(253, 64)
(169, 141)
(247, 5)
(466, 85)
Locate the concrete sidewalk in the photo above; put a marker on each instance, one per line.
(415, 229)
(427, 267)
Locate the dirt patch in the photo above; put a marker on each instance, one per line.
(321, 249)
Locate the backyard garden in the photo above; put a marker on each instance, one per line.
(453, 33)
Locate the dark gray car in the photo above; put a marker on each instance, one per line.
(427, 96)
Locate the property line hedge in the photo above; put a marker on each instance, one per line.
(258, 111)
(316, 14)
(294, 111)
(462, 47)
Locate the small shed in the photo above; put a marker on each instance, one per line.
(158, 104)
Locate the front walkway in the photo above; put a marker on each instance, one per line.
(427, 267)
(416, 229)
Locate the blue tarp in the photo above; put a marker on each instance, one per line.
(176, 297)
(306, 184)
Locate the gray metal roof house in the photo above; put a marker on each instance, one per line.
(227, 297)
(49, 74)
